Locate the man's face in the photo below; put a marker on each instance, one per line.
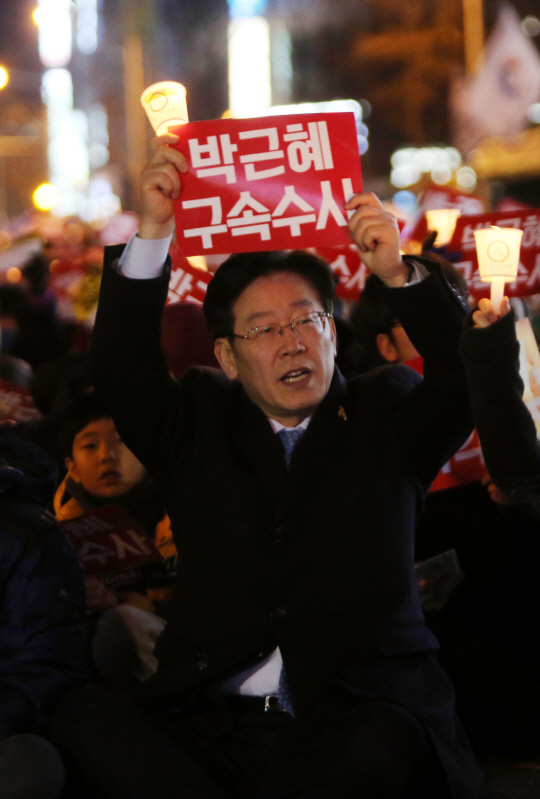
(102, 463)
(287, 378)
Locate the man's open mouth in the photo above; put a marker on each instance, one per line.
(295, 375)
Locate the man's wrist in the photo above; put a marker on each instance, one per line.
(399, 279)
(154, 230)
(144, 259)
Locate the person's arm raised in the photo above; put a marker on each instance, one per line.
(431, 418)
(128, 368)
(507, 431)
(376, 235)
(160, 185)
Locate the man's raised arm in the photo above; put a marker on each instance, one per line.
(433, 419)
(508, 436)
(127, 366)
(159, 186)
(376, 235)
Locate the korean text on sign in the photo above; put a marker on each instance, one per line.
(262, 184)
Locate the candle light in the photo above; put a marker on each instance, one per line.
(443, 220)
(165, 105)
(498, 259)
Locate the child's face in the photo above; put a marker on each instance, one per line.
(102, 463)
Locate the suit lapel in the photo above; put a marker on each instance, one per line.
(257, 443)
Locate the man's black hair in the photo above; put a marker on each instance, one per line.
(240, 270)
(80, 413)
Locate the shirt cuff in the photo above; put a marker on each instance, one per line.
(418, 272)
(144, 259)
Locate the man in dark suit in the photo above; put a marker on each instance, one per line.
(296, 661)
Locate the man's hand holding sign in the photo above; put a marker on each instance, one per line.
(376, 234)
(160, 186)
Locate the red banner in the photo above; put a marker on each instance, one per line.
(111, 544)
(466, 466)
(188, 283)
(348, 268)
(273, 183)
(527, 220)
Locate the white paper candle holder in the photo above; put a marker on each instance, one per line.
(498, 258)
(165, 105)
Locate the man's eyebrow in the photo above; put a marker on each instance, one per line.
(262, 314)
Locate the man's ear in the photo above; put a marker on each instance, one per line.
(387, 348)
(333, 333)
(73, 472)
(224, 353)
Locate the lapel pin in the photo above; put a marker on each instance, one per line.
(342, 413)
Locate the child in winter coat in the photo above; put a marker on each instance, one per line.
(103, 471)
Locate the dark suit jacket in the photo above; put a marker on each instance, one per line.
(317, 560)
(506, 428)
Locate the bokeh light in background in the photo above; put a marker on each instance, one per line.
(466, 178)
(74, 232)
(53, 18)
(4, 77)
(533, 113)
(78, 137)
(5, 240)
(250, 73)
(46, 197)
(87, 26)
(442, 164)
(13, 275)
(406, 202)
(531, 26)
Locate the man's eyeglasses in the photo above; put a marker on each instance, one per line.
(309, 325)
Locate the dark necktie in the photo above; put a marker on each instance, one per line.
(289, 438)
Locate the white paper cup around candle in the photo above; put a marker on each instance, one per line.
(443, 220)
(165, 105)
(498, 259)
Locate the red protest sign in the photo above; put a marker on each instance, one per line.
(272, 183)
(111, 544)
(348, 268)
(528, 279)
(466, 466)
(188, 283)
